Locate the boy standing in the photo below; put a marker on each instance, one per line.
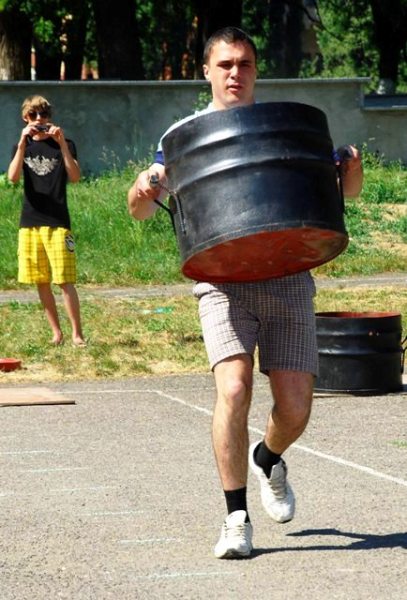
(46, 249)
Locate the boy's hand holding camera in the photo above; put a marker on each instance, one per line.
(40, 131)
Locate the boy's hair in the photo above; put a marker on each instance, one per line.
(35, 103)
(229, 35)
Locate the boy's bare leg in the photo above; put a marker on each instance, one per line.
(48, 302)
(71, 301)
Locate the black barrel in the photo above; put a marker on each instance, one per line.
(256, 192)
(359, 352)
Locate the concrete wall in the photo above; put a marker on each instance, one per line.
(116, 122)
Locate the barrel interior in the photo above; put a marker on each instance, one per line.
(356, 315)
(270, 253)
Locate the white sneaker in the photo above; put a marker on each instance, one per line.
(236, 536)
(276, 493)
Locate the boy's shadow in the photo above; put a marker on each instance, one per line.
(357, 541)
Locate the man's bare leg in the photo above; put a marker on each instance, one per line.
(230, 441)
(292, 393)
(234, 379)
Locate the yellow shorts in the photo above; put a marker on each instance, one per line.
(43, 251)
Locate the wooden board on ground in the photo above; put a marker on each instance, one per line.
(31, 396)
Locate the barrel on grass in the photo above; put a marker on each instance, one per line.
(360, 352)
(256, 192)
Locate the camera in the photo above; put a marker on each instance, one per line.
(42, 127)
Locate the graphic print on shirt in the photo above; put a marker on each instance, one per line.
(41, 165)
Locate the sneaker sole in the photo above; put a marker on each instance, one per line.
(233, 554)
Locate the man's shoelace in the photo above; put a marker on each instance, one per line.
(237, 531)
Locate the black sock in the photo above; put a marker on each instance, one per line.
(265, 458)
(236, 500)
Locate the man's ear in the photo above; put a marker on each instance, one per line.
(205, 70)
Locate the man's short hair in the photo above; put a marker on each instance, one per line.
(36, 102)
(229, 35)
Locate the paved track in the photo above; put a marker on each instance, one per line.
(29, 295)
(117, 497)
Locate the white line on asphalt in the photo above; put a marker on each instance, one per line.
(150, 541)
(185, 574)
(51, 470)
(60, 491)
(329, 457)
(94, 488)
(111, 513)
(120, 391)
(348, 463)
(12, 452)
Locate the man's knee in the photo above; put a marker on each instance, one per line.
(294, 412)
(235, 391)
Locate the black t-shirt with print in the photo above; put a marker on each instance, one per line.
(45, 180)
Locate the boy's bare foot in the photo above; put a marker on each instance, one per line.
(79, 342)
(57, 340)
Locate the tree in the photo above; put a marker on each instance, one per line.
(56, 29)
(117, 38)
(15, 44)
(164, 39)
(212, 15)
(390, 34)
(359, 40)
(286, 22)
(277, 26)
(168, 40)
(75, 25)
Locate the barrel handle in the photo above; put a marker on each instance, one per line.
(342, 154)
(341, 194)
(403, 353)
(168, 210)
(155, 182)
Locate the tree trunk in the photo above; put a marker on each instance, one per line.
(75, 29)
(47, 63)
(213, 15)
(390, 31)
(117, 38)
(286, 22)
(15, 46)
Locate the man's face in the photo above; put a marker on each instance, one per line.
(231, 70)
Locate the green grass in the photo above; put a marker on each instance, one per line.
(129, 338)
(114, 249)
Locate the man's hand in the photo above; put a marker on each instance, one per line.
(147, 185)
(349, 162)
(145, 190)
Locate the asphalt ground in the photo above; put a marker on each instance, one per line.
(116, 496)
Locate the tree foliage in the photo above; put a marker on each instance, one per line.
(164, 39)
(355, 37)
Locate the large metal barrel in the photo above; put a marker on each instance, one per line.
(256, 192)
(359, 352)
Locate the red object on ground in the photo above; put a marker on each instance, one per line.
(9, 364)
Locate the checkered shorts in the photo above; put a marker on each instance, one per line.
(276, 315)
(46, 250)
